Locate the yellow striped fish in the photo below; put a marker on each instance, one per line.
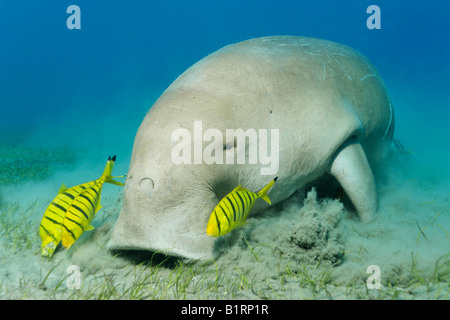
(72, 210)
(233, 209)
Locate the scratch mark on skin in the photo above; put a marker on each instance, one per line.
(180, 108)
(367, 76)
(288, 44)
(391, 114)
(316, 52)
(372, 73)
(339, 54)
(331, 55)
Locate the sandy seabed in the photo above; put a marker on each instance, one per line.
(307, 247)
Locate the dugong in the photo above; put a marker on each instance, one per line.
(325, 101)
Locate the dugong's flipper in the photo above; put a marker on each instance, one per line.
(351, 169)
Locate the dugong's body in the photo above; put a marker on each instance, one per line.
(327, 101)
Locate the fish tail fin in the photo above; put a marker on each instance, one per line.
(48, 250)
(107, 173)
(263, 193)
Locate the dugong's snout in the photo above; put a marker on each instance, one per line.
(150, 220)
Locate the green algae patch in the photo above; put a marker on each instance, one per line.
(20, 163)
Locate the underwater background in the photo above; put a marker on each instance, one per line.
(71, 98)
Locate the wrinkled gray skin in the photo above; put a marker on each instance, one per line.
(327, 100)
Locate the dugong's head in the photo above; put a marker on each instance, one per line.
(167, 204)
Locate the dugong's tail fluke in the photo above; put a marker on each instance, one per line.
(263, 192)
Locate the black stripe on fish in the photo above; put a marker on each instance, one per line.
(217, 220)
(85, 204)
(91, 194)
(70, 231)
(230, 199)
(242, 194)
(60, 207)
(82, 195)
(58, 214)
(71, 196)
(252, 196)
(243, 206)
(225, 214)
(248, 199)
(224, 211)
(78, 224)
(79, 209)
(75, 214)
(78, 189)
(53, 221)
(232, 206)
(93, 189)
(48, 232)
(68, 203)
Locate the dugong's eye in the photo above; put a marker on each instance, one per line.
(229, 145)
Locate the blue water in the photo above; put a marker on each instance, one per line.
(127, 52)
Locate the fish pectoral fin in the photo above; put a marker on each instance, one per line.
(90, 227)
(98, 207)
(62, 189)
